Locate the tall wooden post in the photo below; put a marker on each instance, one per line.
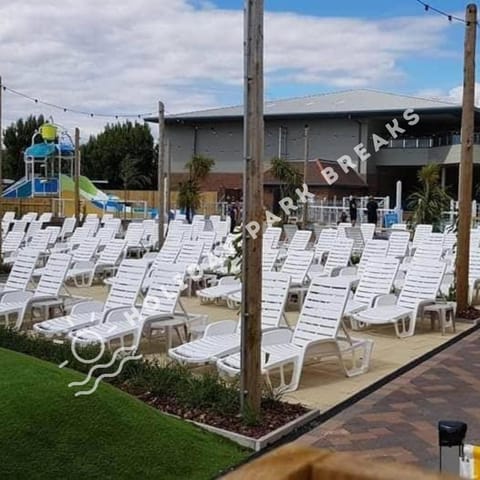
(305, 170)
(160, 172)
(466, 160)
(1, 164)
(252, 207)
(77, 175)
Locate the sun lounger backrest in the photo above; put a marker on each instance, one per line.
(368, 230)
(474, 265)
(275, 286)
(398, 244)
(421, 283)
(21, 272)
(68, 226)
(322, 311)
(86, 250)
(40, 241)
(79, 235)
(339, 255)
(112, 252)
(134, 234)
(325, 241)
(166, 285)
(168, 254)
(422, 232)
(54, 233)
(300, 240)
(105, 235)
(53, 275)
(374, 250)
(12, 241)
(290, 230)
(271, 237)
(46, 217)
(19, 226)
(269, 257)
(33, 228)
(190, 253)
(208, 239)
(126, 284)
(355, 234)
(427, 250)
(377, 278)
(297, 264)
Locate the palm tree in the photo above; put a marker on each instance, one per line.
(430, 200)
(289, 177)
(189, 191)
(130, 176)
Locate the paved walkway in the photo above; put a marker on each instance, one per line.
(399, 421)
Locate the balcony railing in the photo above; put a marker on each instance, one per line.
(430, 141)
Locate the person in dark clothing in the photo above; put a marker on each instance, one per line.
(343, 217)
(352, 205)
(232, 213)
(372, 207)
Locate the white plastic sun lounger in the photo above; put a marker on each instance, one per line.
(21, 273)
(421, 287)
(158, 308)
(223, 338)
(124, 292)
(19, 302)
(316, 335)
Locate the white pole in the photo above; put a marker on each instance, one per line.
(398, 202)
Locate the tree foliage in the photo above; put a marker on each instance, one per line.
(103, 155)
(189, 190)
(18, 137)
(289, 177)
(430, 200)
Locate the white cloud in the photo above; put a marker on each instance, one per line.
(110, 56)
(454, 94)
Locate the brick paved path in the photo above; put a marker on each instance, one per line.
(399, 421)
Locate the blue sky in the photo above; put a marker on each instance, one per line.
(436, 73)
(189, 53)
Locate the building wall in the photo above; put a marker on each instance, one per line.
(223, 141)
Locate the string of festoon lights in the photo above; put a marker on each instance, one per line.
(74, 110)
(449, 16)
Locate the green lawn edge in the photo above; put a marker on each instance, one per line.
(47, 432)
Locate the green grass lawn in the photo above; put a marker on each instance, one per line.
(46, 432)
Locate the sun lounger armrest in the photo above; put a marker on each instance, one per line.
(223, 327)
(383, 300)
(421, 304)
(120, 313)
(88, 306)
(83, 265)
(274, 337)
(348, 271)
(17, 296)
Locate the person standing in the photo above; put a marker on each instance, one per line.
(352, 205)
(372, 207)
(232, 213)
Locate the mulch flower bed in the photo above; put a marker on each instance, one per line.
(275, 414)
(469, 313)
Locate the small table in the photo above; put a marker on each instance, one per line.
(444, 312)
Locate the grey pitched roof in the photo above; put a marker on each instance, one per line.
(349, 101)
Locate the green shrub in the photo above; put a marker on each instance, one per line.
(163, 379)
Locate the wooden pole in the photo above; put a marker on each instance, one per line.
(252, 208)
(160, 172)
(305, 170)
(77, 175)
(1, 164)
(466, 160)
